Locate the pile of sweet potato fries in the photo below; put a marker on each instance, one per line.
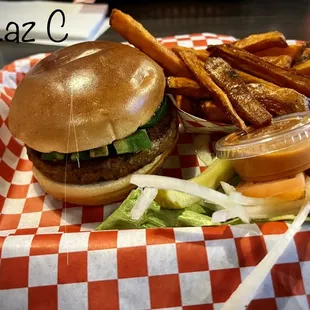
(246, 82)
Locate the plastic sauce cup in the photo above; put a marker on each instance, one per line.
(277, 151)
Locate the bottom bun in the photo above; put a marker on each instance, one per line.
(98, 193)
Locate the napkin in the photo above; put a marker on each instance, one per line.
(82, 21)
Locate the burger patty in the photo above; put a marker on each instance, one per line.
(162, 135)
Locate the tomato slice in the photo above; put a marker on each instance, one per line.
(288, 189)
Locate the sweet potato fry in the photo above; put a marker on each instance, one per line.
(241, 98)
(138, 36)
(201, 54)
(248, 78)
(283, 61)
(293, 50)
(186, 87)
(192, 89)
(302, 64)
(279, 101)
(185, 104)
(211, 112)
(303, 68)
(243, 60)
(261, 41)
(196, 67)
(304, 57)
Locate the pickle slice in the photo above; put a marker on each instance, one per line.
(219, 170)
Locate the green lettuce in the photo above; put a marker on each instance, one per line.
(157, 217)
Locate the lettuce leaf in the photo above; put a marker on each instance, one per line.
(157, 217)
(154, 216)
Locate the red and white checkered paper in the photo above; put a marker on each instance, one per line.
(51, 257)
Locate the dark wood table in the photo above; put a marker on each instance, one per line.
(164, 18)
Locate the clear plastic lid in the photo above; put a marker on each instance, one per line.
(284, 132)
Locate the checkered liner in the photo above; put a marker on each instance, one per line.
(51, 258)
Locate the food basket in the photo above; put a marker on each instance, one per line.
(52, 257)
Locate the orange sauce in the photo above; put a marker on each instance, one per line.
(279, 150)
(276, 165)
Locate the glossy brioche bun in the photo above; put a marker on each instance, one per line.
(93, 93)
(98, 193)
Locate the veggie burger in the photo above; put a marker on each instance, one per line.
(91, 115)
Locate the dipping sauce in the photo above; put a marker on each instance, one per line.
(276, 151)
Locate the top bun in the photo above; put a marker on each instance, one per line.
(92, 93)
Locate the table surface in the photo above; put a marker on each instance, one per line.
(164, 18)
